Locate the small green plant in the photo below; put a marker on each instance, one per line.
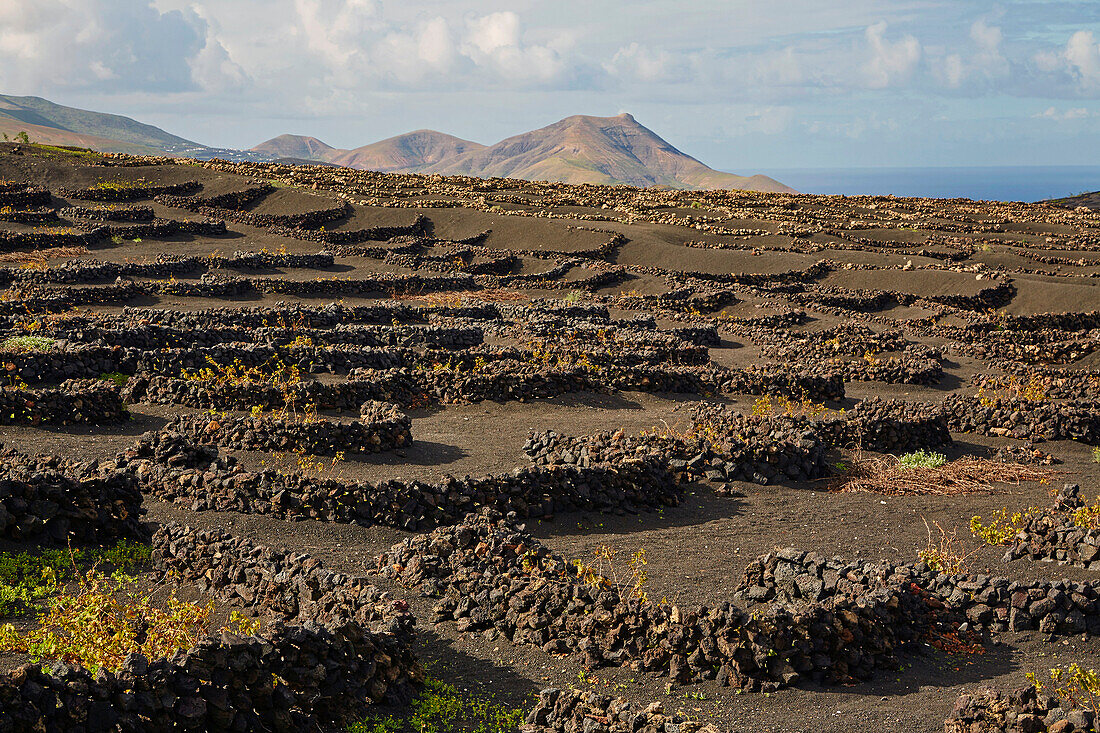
(1096, 455)
(117, 377)
(574, 296)
(24, 344)
(922, 459)
(23, 137)
(441, 708)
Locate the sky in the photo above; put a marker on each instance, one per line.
(743, 85)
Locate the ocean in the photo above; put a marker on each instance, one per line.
(1015, 183)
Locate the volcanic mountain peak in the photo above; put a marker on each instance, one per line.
(407, 153)
(296, 146)
(609, 150)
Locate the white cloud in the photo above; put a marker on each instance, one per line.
(981, 62)
(494, 42)
(641, 63)
(892, 62)
(108, 45)
(1053, 113)
(1083, 56)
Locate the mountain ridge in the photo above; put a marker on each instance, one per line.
(576, 149)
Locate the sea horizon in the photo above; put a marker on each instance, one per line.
(987, 183)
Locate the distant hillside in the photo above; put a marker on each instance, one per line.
(408, 153)
(69, 121)
(411, 152)
(1088, 200)
(55, 124)
(297, 146)
(54, 136)
(578, 149)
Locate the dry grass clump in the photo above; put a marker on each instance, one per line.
(967, 475)
(40, 255)
(457, 298)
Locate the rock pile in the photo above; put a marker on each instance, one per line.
(570, 711)
(1022, 711)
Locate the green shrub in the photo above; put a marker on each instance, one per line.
(1096, 455)
(440, 708)
(922, 459)
(27, 578)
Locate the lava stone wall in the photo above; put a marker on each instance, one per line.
(381, 427)
(348, 647)
(284, 679)
(76, 401)
(54, 502)
(1022, 711)
(1061, 607)
(493, 577)
(1024, 420)
(1055, 535)
(131, 192)
(174, 469)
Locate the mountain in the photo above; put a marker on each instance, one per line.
(413, 151)
(54, 124)
(582, 149)
(43, 119)
(578, 149)
(296, 146)
(408, 153)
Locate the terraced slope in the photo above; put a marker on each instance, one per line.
(486, 400)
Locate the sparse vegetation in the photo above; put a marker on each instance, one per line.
(887, 475)
(104, 619)
(922, 459)
(27, 578)
(1077, 687)
(442, 708)
(118, 184)
(117, 377)
(27, 343)
(944, 551)
(630, 586)
(1002, 526)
